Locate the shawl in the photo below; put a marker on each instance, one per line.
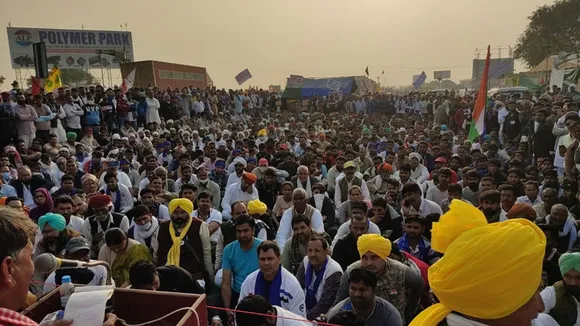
(122, 263)
(274, 294)
(308, 187)
(174, 254)
(311, 290)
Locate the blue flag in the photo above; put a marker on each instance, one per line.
(420, 80)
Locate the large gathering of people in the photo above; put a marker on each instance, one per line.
(374, 209)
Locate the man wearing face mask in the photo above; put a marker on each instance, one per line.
(26, 116)
(145, 229)
(103, 219)
(184, 241)
(561, 299)
(204, 184)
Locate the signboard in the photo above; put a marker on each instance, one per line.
(443, 74)
(180, 75)
(419, 80)
(497, 67)
(275, 88)
(296, 80)
(243, 76)
(333, 85)
(70, 49)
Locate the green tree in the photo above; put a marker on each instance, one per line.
(552, 29)
(2, 80)
(72, 77)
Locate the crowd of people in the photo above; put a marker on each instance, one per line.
(354, 210)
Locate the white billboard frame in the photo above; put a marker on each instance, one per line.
(70, 48)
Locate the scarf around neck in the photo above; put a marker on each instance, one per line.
(308, 187)
(146, 234)
(174, 254)
(423, 251)
(274, 294)
(311, 290)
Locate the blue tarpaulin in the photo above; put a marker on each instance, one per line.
(319, 87)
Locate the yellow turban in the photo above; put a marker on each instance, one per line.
(256, 207)
(488, 270)
(374, 243)
(262, 133)
(182, 203)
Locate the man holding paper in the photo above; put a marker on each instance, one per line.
(17, 233)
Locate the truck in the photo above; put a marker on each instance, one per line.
(165, 74)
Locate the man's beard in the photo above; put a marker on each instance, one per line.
(179, 222)
(573, 290)
(489, 212)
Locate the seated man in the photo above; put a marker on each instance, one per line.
(294, 252)
(319, 276)
(260, 306)
(301, 207)
(145, 276)
(345, 251)
(274, 282)
(120, 194)
(362, 300)
(561, 299)
(415, 243)
(239, 260)
(77, 249)
(145, 229)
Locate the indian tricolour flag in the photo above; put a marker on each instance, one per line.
(477, 125)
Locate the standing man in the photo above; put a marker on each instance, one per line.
(274, 282)
(43, 120)
(184, 241)
(73, 117)
(511, 127)
(26, 116)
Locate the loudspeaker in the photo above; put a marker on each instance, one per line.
(40, 64)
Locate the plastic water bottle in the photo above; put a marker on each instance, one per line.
(66, 290)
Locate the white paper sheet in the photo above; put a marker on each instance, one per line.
(86, 307)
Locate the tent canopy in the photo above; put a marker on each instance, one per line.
(321, 87)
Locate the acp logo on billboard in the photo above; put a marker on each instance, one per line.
(23, 37)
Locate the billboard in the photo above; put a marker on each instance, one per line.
(497, 67)
(164, 74)
(443, 74)
(70, 49)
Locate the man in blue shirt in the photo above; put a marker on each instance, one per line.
(240, 259)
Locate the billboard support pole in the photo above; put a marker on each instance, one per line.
(18, 75)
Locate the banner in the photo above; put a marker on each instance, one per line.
(129, 81)
(70, 49)
(420, 80)
(333, 85)
(296, 80)
(443, 74)
(275, 88)
(243, 76)
(53, 82)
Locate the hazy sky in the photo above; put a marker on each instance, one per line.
(276, 38)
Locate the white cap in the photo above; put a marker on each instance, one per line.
(116, 137)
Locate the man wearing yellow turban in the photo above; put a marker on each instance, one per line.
(184, 241)
(489, 274)
(561, 299)
(397, 283)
